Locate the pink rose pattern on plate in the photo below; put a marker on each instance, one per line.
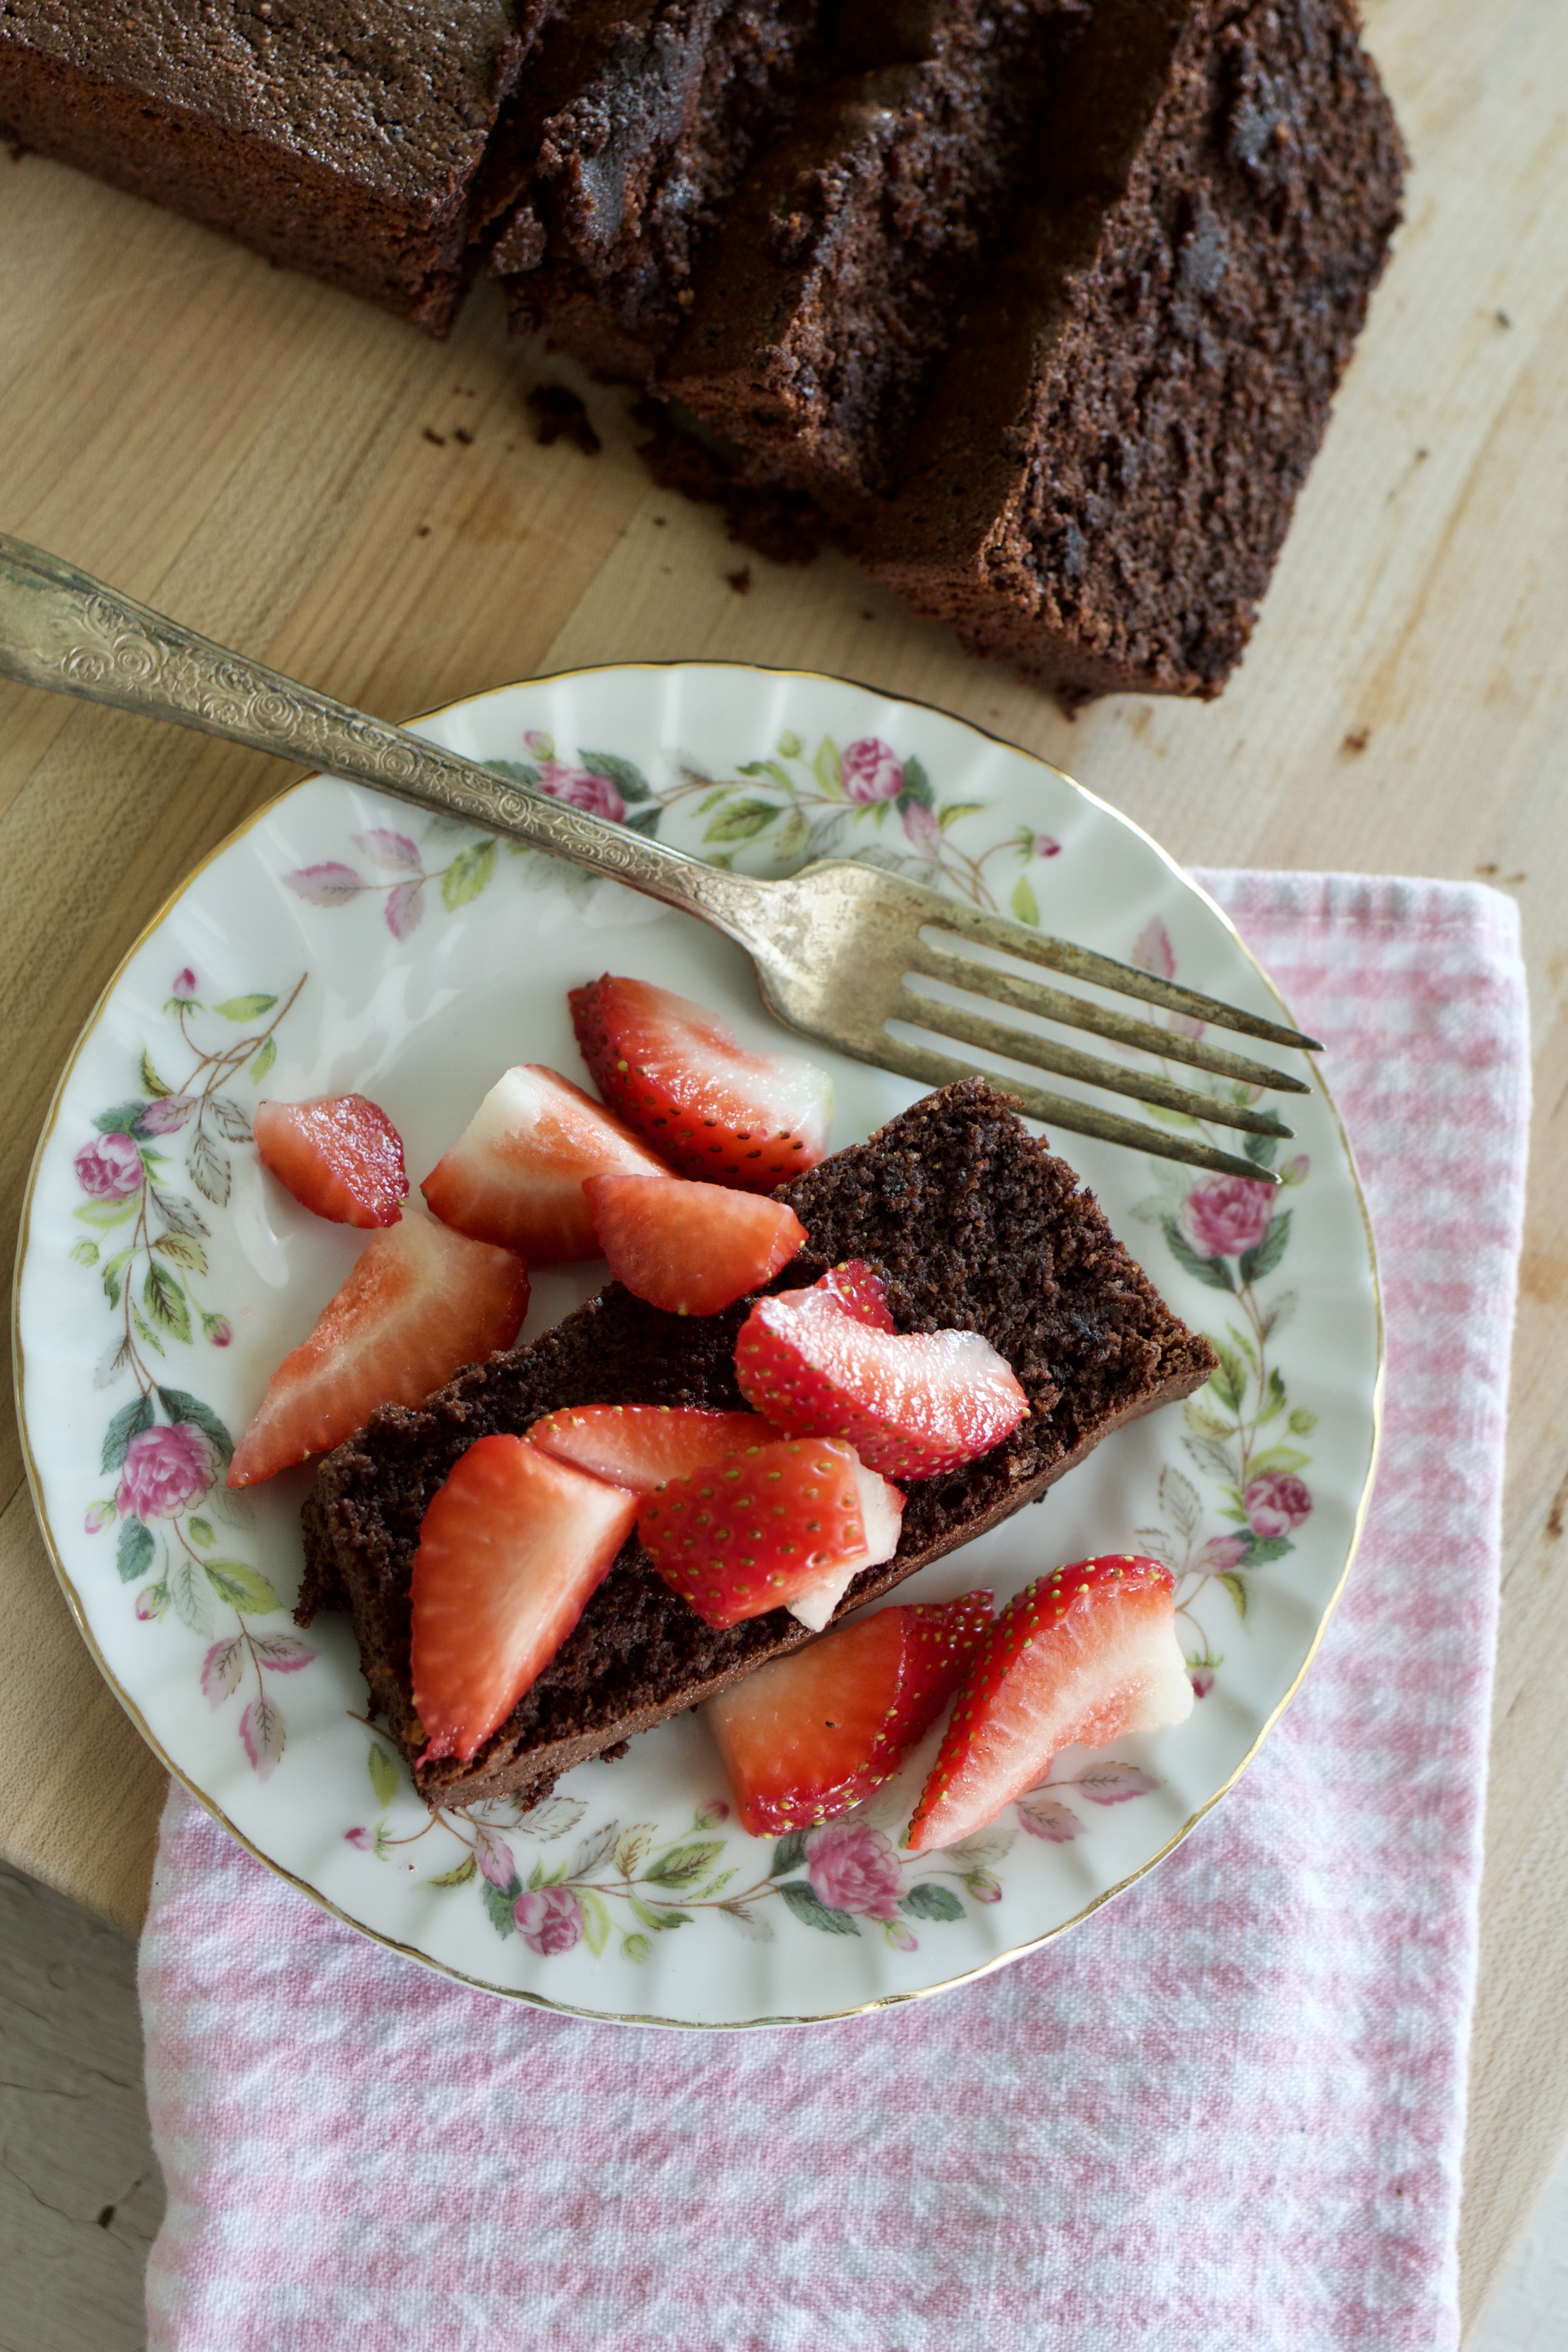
(627, 1883)
(109, 1168)
(166, 1449)
(792, 807)
(167, 1470)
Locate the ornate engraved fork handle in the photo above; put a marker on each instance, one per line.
(62, 629)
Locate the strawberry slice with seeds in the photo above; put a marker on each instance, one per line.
(807, 1736)
(681, 1078)
(642, 1445)
(514, 1177)
(339, 1157)
(692, 1249)
(420, 1304)
(510, 1550)
(1081, 1657)
(913, 1405)
(943, 1643)
(882, 1510)
(763, 1528)
(861, 1292)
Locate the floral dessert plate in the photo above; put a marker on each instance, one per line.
(344, 941)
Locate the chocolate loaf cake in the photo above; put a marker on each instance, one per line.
(633, 127)
(974, 1226)
(828, 296)
(1038, 305)
(1104, 475)
(342, 137)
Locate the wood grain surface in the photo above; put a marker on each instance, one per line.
(80, 2197)
(296, 475)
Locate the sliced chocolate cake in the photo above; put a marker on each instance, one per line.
(973, 1226)
(828, 295)
(633, 127)
(1104, 475)
(1038, 305)
(342, 137)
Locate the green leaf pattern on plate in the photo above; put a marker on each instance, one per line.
(1230, 1235)
(165, 1448)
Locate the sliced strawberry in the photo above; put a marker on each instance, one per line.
(882, 1511)
(510, 1550)
(861, 1293)
(806, 1738)
(763, 1528)
(690, 1248)
(420, 1303)
(679, 1075)
(946, 1637)
(913, 1405)
(1078, 1658)
(514, 1177)
(642, 1445)
(340, 1157)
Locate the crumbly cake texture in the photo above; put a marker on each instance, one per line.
(632, 128)
(830, 292)
(974, 1226)
(342, 137)
(1103, 480)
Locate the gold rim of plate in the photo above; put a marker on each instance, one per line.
(409, 1951)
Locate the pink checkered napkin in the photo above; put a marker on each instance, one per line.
(1225, 2114)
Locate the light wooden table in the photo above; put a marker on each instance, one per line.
(283, 468)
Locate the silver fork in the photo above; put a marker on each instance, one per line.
(834, 946)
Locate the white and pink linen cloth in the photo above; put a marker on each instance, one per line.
(1225, 2114)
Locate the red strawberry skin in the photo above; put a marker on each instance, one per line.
(913, 1405)
(860, 1291)
(1080, 1657)
(809, 1736)
(339, 1157)
(692, 1249)
(758, 1529)
(420, 1304)
(643, 1445)
(510, 1550)
(943, 1640)
(681, 1078)
(515, 1175)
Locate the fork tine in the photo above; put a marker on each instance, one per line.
(1068, 1062)
(1083, 963)
(1080, 1013)
(1058, 1110)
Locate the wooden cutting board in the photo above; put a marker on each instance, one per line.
(298, 475)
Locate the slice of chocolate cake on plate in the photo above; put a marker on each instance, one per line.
(972, 1224)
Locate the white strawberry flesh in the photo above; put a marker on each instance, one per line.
(515, 1174)
(762, 1528)
(914, 1406)
(882, 1510)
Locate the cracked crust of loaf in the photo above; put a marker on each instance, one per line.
(973, 1225)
